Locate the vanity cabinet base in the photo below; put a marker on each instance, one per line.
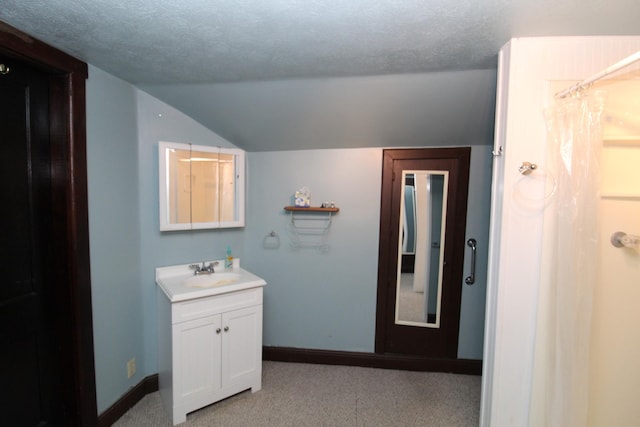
(178, 413)
(208, 349)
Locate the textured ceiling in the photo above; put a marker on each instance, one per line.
(303, 74)
(173, 41)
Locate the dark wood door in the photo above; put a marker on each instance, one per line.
(397, 337)
(69, 282)
(32, 390)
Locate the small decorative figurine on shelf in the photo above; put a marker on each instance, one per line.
(303, 198)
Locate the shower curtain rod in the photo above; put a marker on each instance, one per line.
(609, 70)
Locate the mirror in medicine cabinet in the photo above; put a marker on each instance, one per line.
(200, 187)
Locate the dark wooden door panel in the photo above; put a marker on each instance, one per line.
(15, 251)
(391, 336)
(66, 280)
(28, 331)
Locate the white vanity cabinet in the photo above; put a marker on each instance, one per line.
(209, 348)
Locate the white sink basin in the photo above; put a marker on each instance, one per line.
(180, 284)
(211, 280)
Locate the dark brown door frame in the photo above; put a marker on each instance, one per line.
(387, 259)
(69, 181)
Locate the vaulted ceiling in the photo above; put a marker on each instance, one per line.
(207, 57)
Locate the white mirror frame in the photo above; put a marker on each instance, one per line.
(239, 156)
(423, 246)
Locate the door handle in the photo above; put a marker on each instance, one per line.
(471, 279)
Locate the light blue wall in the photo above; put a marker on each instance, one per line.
(314, 299)
(449, 108)
(471, 333)
(124, 126)
(159, 122)
(112, 164)
(327, 300)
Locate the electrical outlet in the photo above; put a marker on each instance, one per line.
(131, 367)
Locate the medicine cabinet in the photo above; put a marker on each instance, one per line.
(201, 187)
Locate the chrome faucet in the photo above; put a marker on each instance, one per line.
(204, 269)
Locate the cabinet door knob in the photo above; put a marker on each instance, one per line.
(217, 330)
(226, 329)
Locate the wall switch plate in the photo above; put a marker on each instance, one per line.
(131, 367)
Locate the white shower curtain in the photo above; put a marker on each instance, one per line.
(568, 276)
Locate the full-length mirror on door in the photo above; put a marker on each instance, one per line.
(200, 187)
(421, 252)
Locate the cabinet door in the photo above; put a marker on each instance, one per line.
(196, 361)
(242, 344)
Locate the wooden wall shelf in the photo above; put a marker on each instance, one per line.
(310, 209)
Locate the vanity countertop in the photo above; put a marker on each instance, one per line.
(173, 282)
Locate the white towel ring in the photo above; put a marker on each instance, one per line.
(531, 172)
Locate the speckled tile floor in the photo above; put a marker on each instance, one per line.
(295, 394)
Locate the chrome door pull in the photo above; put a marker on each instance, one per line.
(471, 279)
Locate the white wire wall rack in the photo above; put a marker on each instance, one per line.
(310, 226)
